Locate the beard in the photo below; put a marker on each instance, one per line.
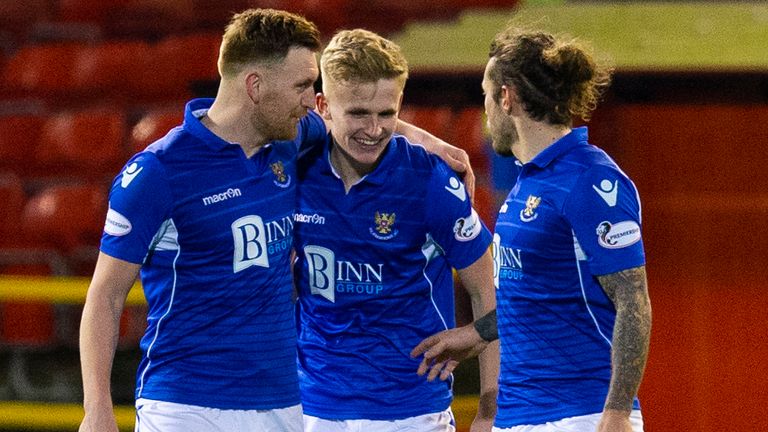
(504, 139)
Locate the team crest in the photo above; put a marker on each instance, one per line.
(529, 212)
(385, 226)
(281, 178)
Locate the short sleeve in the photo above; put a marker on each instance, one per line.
(452, 221)
(312, 132)
(139, 202)
(604, 211)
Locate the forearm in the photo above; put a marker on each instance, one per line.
(631, 336)
(483, 304)
(100, 325)
(99, 330)
(417, 135)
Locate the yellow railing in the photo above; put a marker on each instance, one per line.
(57, 416)
(60, 290)
(53, 416)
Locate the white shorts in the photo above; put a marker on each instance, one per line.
(435, 422)
(585, 423)
(157, 416)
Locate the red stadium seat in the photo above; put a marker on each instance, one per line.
(172, 65)
(469, 134)
(153, 126)
(103, 68)
(67, 218)
(12, 196)
(90, 142)
(86, 11)
(485, 204)
(27, 323)
(17, 17)
(19, 135)
(40, 69)
(149, 19)
(435, 120)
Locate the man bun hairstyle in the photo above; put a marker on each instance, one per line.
(556, 79)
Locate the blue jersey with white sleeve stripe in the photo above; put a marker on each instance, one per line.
(213, 230)
(374, 273)
(572, 215)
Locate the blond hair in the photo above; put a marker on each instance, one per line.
(362, 56)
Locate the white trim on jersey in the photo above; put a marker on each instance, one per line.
(430, 249)
(577, 251)
(169, 224)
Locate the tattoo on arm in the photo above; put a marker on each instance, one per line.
(628, 290)
(487, 327)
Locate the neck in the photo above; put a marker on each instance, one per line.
(536, 136)
(348, 168)
(228, 119)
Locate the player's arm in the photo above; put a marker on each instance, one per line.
(628, 290)
(478, 281)
(112, 279)
(456, 158)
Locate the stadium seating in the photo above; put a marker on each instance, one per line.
(66, 217)
(101, 70)
(173, 64)
(40, 70)
(468, 132)
(153, 125)
(19, 135)
(12, 197)
(87, 143)
(437, 120)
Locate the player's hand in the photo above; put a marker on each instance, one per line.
(614, 421)
(443, 351)
(99, 421)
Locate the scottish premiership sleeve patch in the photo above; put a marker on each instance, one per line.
(467, 228)
(619, 235)
(117, 224)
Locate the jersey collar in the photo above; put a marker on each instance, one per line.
(194, 126)
(379, 175)
(577, 137)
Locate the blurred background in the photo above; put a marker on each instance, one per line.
(84, 84)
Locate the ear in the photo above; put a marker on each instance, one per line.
(322, 106)
(510, 101)
(253, 86)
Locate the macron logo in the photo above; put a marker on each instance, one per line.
(129, 174)
(457, 189)
(608, 192)
(227, 194)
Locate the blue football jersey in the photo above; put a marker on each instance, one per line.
(572, 215)
(213, 231)
(374, 274)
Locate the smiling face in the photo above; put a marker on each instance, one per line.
(363, 117)
(285, 94)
